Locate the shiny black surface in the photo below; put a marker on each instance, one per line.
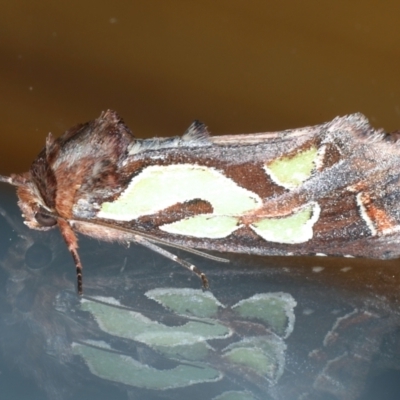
(345, 342)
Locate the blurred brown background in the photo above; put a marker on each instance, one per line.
(239, 66)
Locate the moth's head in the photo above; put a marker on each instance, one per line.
(36, 213)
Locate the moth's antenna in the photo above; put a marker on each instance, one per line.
(6, 179)
(14, 179)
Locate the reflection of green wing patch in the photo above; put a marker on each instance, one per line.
(258, 355)
(235, 395)
(273, 309)
(192, 352)
(132, 325)
(123, 369)
(264, 356)
(187, 302)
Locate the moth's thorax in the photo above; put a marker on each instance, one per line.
(81, 165)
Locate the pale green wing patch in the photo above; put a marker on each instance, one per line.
(276, 310)
(291, 172)
(296, 228)
(159, 187)
(204, 226)
(123, 369)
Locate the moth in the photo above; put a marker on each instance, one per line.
(330, 189)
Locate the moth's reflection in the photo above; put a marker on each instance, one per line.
(282, 332)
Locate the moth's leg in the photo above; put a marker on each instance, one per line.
(173, 257)
(78, 266)
(72, 242)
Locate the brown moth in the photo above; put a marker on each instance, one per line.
(331, 189)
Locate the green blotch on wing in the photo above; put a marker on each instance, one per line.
(291, 172)
(123, 369)
(187, 302)
(273, 309)
(204, 226)
(297, 228)
(159, 187)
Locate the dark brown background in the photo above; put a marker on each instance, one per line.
(239, 66)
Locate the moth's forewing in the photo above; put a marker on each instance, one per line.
(332, 189)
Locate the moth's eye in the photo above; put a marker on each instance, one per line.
(38, 256)
(44, 219)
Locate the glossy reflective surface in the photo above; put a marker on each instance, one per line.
(270, 328)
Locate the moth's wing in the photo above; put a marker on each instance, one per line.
(354, 180)
(300, 191)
